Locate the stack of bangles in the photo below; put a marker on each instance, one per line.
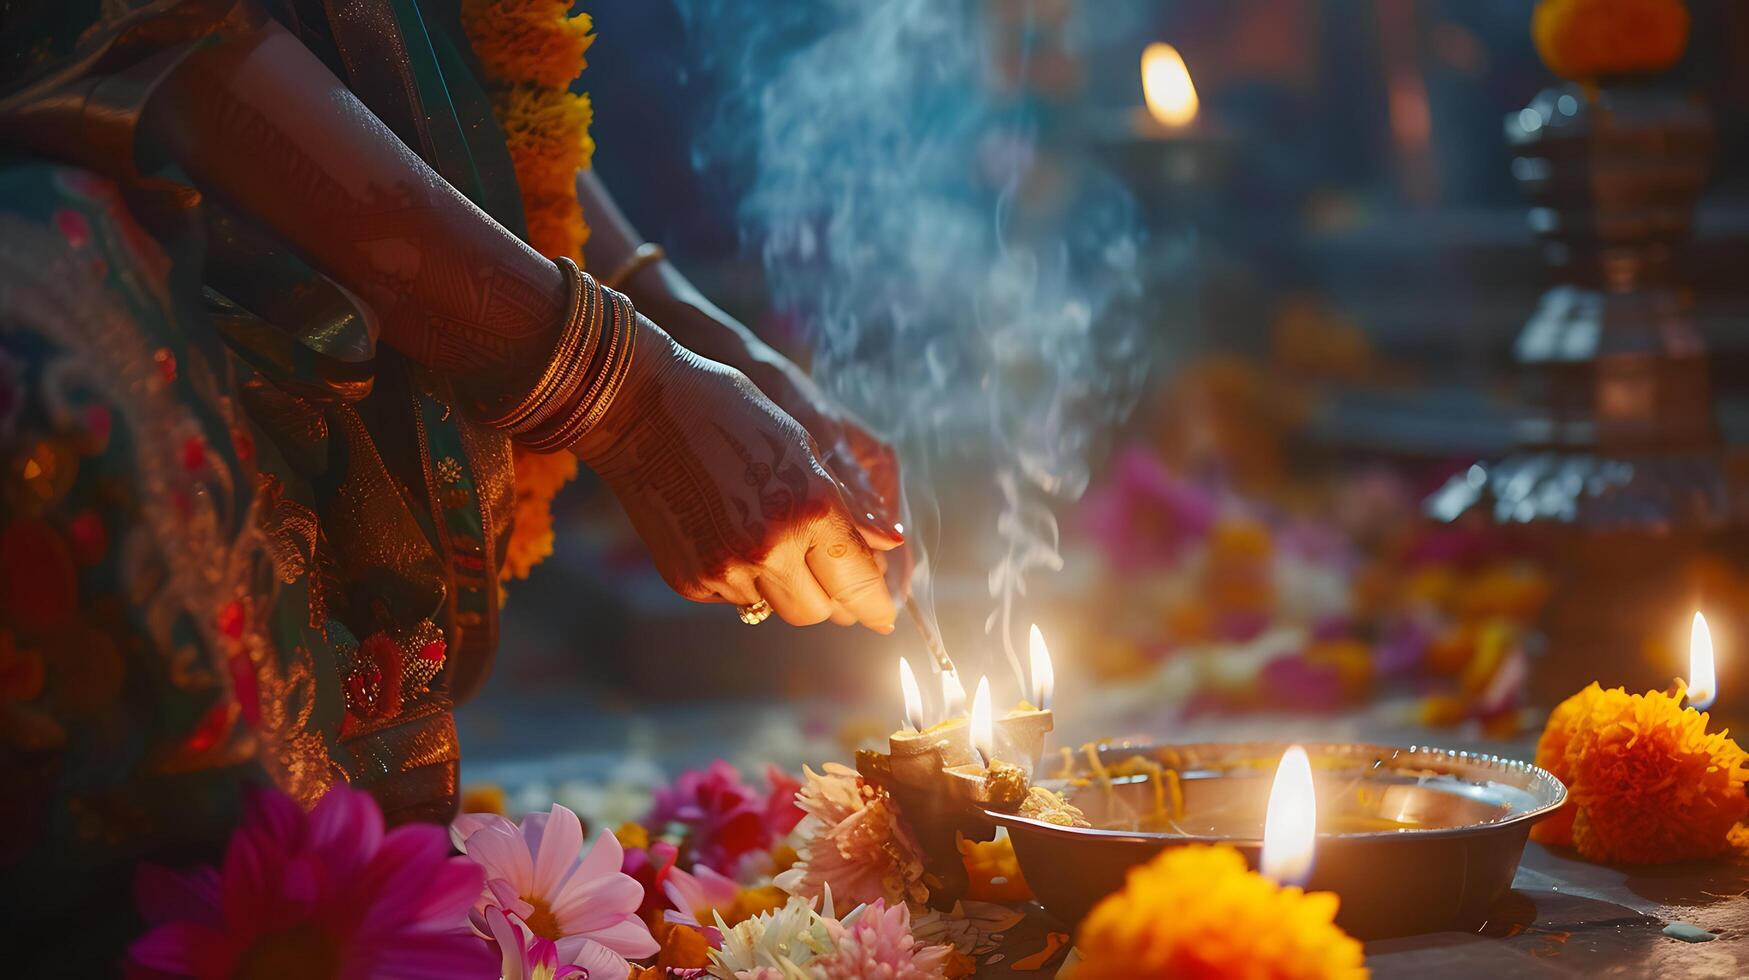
(585, 372)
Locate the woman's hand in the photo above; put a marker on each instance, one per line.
(730, 494)
(865, 465)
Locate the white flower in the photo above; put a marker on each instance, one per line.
(775, 945)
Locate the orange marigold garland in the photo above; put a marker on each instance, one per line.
(538, 478)
(1197, 913)
(531, 41)
(1647, 783)
(530, 51)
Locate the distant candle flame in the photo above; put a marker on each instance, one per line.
(1703, 682)
(1044, 677)
(1291, 822)
(1167, 87)
(983, 725)
(913, 697)
(953, 694)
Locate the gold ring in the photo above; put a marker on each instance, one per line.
(754, 614)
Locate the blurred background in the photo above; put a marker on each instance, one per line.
(1363, 375)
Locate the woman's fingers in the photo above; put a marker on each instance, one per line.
(794, 595)
(738, 588)
(866, 507)
(846, 569)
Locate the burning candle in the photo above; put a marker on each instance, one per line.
(953, 695)
(913, 697)
(1044, 678)
(1167, 87)
(1703, 684)
(983, 724)
(1291, 822)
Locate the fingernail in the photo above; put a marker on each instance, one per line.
(886, 630)
(898, 527)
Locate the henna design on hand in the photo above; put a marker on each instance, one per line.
(779, 503)
(654, 461)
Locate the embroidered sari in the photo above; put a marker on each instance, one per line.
(241, 542)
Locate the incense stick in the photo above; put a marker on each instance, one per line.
(931, 640)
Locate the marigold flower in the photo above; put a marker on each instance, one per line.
(555, 226)
(484, 798)
(531, 540)
(547, 133)
(1647, 783)
(541, 475)
(1588, 39)
(1197, 912)
(531, 42)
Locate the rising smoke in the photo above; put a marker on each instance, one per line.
(960, 271)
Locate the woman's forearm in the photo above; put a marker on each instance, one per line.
(261, 123)
(658, 288)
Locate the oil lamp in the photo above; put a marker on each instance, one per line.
(945, 774)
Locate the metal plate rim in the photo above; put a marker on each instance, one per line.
(1554, 794)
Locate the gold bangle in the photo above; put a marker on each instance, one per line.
(619, 342)
(554, 437)
(563, 352)
(646, 254)
(576, 366)
(617, 379)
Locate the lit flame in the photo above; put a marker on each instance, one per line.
(1703, 682)
(1044, 678)
(1291, 822)
(913, 697)
(983, 726)
(1167, 87)
(953, 694)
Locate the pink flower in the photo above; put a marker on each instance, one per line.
(1145, 516)
(725, 819)
(696, 897)
(586, 906)
(876, 941)
(525, 955)
(649, 867)
(855, 845)
(781, 812)
(322, 894)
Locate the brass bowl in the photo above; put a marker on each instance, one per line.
(1412, 839)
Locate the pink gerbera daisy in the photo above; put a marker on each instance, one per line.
(586, 906)
(527, 956)
(322, 894)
